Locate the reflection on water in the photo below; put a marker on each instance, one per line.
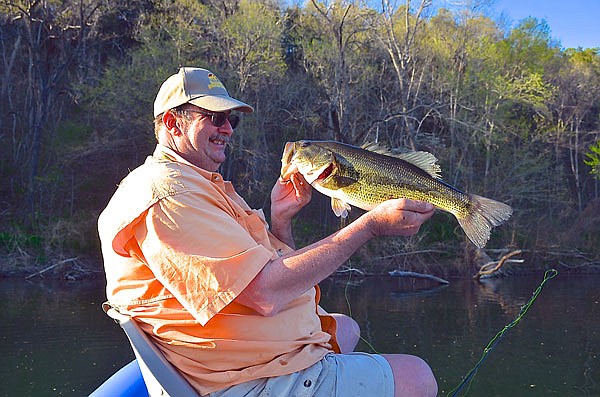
(554, 350)
(55, 340)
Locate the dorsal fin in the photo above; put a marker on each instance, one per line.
(424, 160)
(377, 148)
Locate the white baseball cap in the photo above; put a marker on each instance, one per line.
(199, 87)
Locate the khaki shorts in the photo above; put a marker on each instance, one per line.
(336, 375)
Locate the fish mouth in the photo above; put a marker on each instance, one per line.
(326, 172)
(287, 170)
(288, 153)
(287, 167)
(290, 165)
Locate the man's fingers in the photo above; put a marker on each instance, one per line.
(415, 206)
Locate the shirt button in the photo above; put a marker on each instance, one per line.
(307, 383)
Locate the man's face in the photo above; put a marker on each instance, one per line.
(202, 143)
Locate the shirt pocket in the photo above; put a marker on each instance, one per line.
(256, 226)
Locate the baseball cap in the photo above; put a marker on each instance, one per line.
(199, 87)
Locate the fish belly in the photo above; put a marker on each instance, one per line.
(368, 195)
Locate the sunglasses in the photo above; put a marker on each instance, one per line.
(219, 118)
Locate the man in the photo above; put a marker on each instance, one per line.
(228, 300)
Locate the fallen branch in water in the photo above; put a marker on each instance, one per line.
(412, 253)
(347, 269)
(51, 267)
(400, 273)
(492, 267)
(573, 253)
(595, 266)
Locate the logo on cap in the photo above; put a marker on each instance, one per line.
(214, 82)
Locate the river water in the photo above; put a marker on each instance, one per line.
(55, 339)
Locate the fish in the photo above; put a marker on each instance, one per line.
(366, 176)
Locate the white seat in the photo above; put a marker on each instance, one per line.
(161, 378)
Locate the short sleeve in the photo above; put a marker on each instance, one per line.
(199, 250)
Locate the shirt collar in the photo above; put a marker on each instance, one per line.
(165, 153)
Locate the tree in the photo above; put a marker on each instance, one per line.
(43, 45)
(334, 38)
(253, 57)
(576, 110)
(398, 35)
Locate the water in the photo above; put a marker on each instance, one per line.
(55, 339)
(553, 351)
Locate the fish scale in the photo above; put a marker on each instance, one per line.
(383, 177)
(365, 177)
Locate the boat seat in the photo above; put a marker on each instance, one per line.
(160, 376)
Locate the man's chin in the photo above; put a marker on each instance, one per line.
(218, 160)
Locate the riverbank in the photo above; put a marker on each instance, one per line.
(432, 262)
(60, 268)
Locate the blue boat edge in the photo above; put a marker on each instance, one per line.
(126, 382)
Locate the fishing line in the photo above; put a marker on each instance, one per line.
(549, 274)
(350, 312)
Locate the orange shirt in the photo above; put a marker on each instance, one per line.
(179, 244)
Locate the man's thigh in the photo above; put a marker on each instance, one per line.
(363, 374)
(336, 375)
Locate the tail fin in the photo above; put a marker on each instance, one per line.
(486, 214)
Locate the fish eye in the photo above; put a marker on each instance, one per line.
(304, 143)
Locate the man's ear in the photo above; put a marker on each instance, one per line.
(170, 121)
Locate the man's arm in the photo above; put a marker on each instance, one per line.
(284, 279)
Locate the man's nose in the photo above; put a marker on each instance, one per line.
(226, 128)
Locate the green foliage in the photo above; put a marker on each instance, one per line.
(252, 41)
(531, 90)
(593, 159)
(72, 134)
(530, 48)
(442, 229)
(178, 32)
(120, 102)
(10, 241)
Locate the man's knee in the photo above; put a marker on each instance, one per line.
(412, 376)
(347, 332)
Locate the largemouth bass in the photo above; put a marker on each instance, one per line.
(366, 176)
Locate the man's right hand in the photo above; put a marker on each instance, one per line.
(398, 217)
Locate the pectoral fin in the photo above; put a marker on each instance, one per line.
(340, 207)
